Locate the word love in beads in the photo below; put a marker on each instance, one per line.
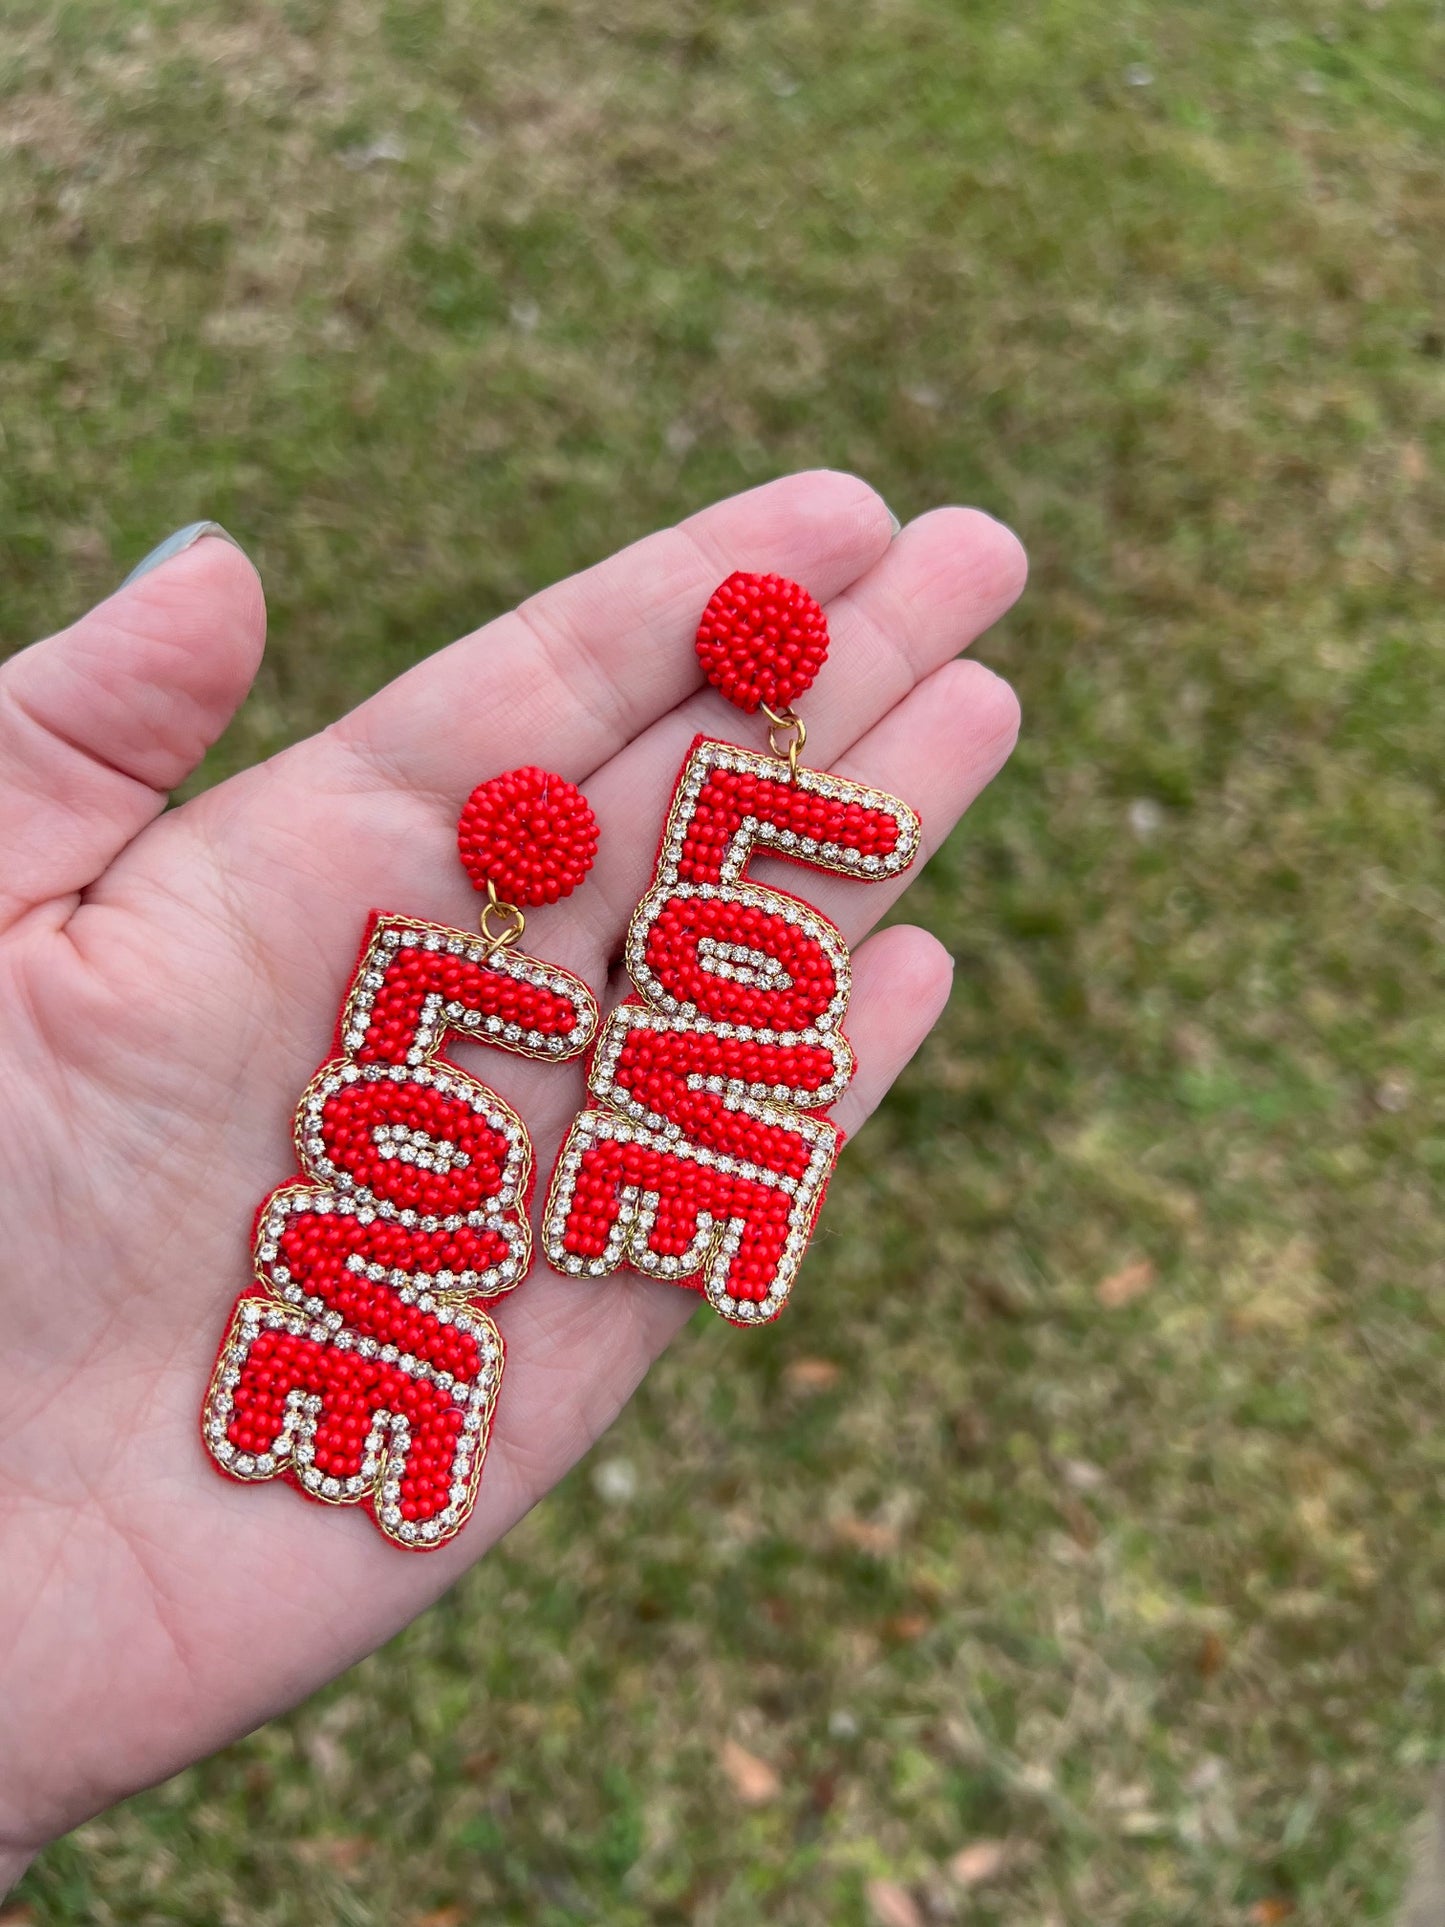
(701, 1159)
(360, 1366)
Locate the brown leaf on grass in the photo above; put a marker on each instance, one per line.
(17, 1914)
(823, 1792)
(811, 1374)
(867, 1535)
(981, 1860)
(1269, 1913)
(890, 1905)
(441, 1917)
(752, 1780)
(1211, 1655)
(340, 1851)
(1121, 1288)
(904, 1628)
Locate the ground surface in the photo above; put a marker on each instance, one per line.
(1090, 1500)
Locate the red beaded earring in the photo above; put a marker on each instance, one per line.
(360, 1366)
(702, 1159)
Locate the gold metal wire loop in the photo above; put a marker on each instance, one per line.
(791, 745)
(510, 921)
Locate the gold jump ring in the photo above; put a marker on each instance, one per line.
(780, 719)
(512, 921)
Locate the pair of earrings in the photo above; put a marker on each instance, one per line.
(361, 1365)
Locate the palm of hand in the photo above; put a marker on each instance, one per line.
(169, 983)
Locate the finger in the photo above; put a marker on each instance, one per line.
(943, 581)
(951, 575)
(100, 722)
(576, 1352)
(901, 981)
(574, 673)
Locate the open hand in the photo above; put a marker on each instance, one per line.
(168, 982)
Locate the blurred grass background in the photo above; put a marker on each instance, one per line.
(1074, 1555)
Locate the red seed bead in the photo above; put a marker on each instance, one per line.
(762, 639)
(530, 834)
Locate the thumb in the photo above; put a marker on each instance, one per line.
(100, 722)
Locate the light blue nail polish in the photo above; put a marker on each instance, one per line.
(177, 544)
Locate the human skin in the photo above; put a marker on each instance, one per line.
(169, 979)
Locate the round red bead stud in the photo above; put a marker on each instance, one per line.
(530, 834)
(762, 639)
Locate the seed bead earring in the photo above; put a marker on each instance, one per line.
(701, 1158)
(360, 1366)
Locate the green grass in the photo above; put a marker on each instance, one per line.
(429, 302)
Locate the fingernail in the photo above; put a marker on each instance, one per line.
(177, 544)
(897, 525)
